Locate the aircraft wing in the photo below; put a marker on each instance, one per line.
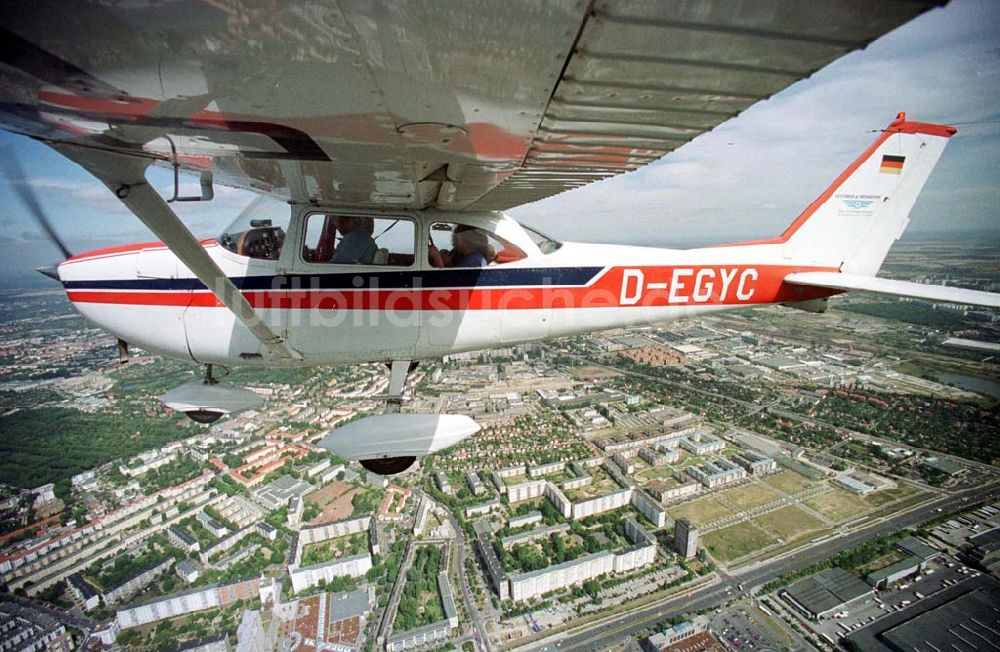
(940, 293)
(475, 105)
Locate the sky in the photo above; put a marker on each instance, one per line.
(746, 179)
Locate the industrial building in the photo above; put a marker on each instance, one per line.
(826, 592)
(963, 617)
(896, 572)
(676, 634)
(985, 550)
(853, 484)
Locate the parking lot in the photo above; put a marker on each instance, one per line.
(739, 629)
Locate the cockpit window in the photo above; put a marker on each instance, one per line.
(460, 245)
(259, 231)
(544, 243)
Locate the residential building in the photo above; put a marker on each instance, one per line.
(685, 538)
(83, 592)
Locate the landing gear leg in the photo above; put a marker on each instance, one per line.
(398, 372)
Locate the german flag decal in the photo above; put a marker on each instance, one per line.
(892, 164)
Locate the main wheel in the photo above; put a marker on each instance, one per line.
(388, 465)
(204, 416)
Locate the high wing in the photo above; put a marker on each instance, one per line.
(939, 293)
(476, 104)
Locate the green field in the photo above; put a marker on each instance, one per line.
(838, 505)
(655, 473)
(701, 511)
(735, 541)
(750, 496)
(889, 495)
(788, 481)
(790, 523)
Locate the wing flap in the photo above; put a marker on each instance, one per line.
(938, 293)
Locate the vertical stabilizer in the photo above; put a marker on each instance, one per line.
(854, 222)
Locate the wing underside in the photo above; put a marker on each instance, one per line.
(426, 104)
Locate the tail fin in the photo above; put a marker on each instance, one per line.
(855, 221)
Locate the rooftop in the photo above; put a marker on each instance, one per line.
(971, 617)
(828, 590)
(917, 548)
(901, 566)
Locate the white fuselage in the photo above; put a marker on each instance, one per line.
(335, 314)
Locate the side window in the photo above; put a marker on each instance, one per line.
(459, 245)
(359, 240)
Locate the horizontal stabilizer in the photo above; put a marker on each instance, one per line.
(938, 293)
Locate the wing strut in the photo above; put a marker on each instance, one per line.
(126, 177)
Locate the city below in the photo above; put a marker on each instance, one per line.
(764, 480)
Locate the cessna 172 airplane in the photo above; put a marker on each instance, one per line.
(397, 133)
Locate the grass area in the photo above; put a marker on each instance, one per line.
(890, 495)
(788, 481)
(790, 523)
(735, 541)
(701, 511)
(838, 505)
(323, 551)
(602, 484)
(881, 562)
(655, 473)
(750, 496)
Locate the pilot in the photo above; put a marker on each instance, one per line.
(356, 244)
(470, 247)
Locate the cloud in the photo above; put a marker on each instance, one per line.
(752, 175)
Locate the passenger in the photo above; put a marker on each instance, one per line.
(469, 247)
(356, 244)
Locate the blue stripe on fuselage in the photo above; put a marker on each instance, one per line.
(428, 279)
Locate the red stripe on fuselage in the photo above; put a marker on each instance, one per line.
(120, 250)
(618, 287)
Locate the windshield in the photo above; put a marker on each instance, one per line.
(544, 243)
(259, 230)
